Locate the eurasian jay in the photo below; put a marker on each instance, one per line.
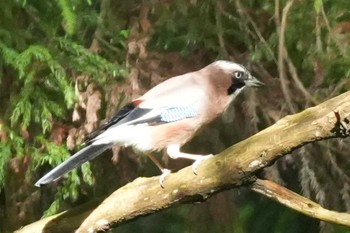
(166, 117)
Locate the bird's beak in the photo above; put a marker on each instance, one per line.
(254, 82)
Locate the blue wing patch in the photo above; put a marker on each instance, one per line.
(171, 114)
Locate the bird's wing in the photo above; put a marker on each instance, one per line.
(172, 100)
(178, 91)
(115, 119)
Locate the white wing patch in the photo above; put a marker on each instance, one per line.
(138, 136)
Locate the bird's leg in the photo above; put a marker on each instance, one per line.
(164, 171)
(175, 153)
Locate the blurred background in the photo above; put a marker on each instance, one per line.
(68, 65)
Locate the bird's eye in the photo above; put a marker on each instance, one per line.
(238, 74)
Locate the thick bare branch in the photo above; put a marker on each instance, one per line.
(233, 167)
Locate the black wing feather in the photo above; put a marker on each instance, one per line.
(127, 113)
(120, 115)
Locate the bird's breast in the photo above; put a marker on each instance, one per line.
(178, 132)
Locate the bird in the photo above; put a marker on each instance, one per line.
(166, 117)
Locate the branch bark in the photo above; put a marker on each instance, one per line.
(233, 167)
(299, 203)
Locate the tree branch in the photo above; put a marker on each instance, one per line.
(299, 203)
(233, 167)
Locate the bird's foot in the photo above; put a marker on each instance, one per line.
(199, 161)
(165, 173)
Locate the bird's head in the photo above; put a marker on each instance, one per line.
(237, 76)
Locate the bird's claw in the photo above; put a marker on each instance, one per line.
(199, 161)
(165, 173)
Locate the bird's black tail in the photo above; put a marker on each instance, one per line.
(85, 154)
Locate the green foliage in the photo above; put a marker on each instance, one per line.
(245, 215)
(68, 191)
(5, 157)
(13, 145)
(42, 80)
(9, 55)
(41, 52)
(185, 27)
(52, 154)
(68, 15)
(82, 60)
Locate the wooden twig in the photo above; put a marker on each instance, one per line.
(233, 167)
(220, 34)
(341, 48)
(299, 203)
(256, 30)
(281, 55)
(297, 82)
